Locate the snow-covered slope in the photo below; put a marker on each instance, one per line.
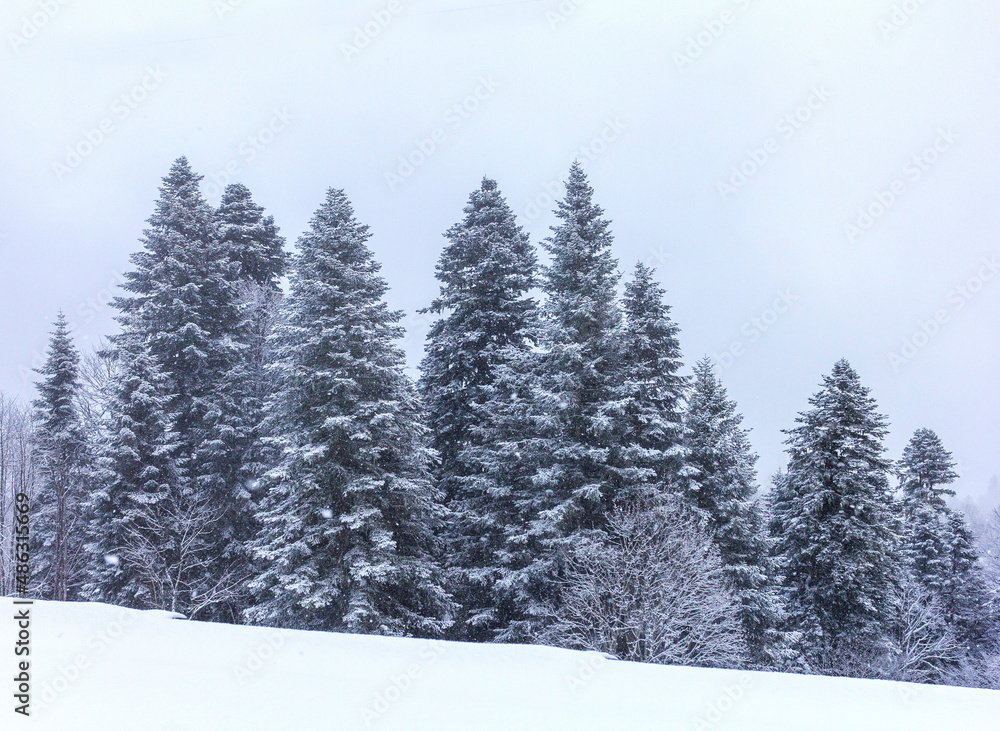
(96, 666)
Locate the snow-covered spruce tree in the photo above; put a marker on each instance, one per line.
(571, 411)
(924, 474)
(836, 541)
(487, 323)
(347, 539)
(137, 472)
(251, 242)
(58, 561)
(937, 543)
(723, 490)
(965, 597)
(180, 304)
(249, 238)
(650, 394)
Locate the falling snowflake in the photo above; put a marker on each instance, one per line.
(111, 560)
(326, 513)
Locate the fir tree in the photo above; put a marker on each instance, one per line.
(924, 474)
(562, 477)
(837, 542)
(965, 597)
(181, 304)
(937, 544)
(251, 243)
(650, 393)
(137, 474)
(487, 323)
(347, 540)
(57, 552)
(250, 239)
(581, 365)
(723, 490)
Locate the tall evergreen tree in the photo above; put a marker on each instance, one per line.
(347, 541)
(937, 544)
(57, 555)
(487, 323)
(966, 599)
(581, 365)
(562, 477)
(250, 239)
(925, 472)
(837, 541)
(180, 303)
(723, 489)
(650, 392)
(137, 474)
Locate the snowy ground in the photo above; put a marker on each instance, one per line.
(96, 666)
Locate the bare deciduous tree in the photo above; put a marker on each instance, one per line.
(169, 556)
(653, 592)
(925, 647)
(17, 474)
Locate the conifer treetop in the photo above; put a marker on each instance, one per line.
(250, 238)
(59, 384)
(926, 468)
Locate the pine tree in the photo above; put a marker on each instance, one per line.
(181, 304)
(723, 490)
(347, 540)
(487, 323)
(837, 541)
(57, 552)
(650, 393)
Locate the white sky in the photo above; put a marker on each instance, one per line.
(553, 77)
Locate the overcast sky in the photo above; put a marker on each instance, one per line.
(812, 180)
